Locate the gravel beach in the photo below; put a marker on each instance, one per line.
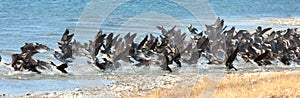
(187, 85)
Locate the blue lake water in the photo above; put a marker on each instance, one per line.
(44, 21)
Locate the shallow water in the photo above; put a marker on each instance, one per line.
(44, 21)
(51, 86)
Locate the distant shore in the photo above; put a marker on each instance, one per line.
(284, 22)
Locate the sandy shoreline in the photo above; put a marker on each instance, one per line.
(240, 84)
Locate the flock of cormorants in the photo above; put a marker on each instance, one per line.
(217, 45)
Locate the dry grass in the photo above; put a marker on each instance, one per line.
(249, 85)
(278, 84)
